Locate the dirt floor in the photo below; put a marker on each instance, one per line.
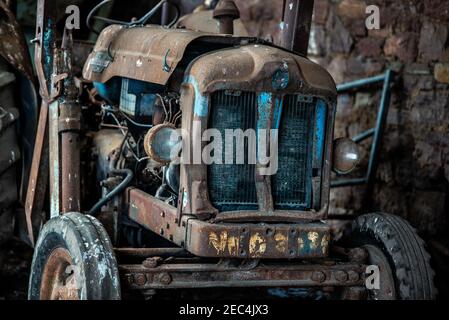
(15, 263)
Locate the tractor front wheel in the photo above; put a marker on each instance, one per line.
(74, 260)
(400, 255)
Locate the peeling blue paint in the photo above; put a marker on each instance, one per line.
(320, 131)
(48, 40)
(281, 79)
(277, 114)
(201, 105)
(264, 105)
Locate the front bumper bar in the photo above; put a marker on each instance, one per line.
(202, 275)
(229, 240)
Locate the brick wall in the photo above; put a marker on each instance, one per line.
(413, 175)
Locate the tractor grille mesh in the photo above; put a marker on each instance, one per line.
(290, 186)
(232, 187)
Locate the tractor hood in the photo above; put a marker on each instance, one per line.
(148, 53)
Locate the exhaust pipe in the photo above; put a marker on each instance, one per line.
(226, 12)
(295, 26)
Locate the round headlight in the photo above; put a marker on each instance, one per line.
(346, 155)
(162, 143)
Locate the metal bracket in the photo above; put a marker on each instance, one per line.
(376, 132)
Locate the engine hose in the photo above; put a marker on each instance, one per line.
(116, 191)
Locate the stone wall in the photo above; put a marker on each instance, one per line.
(413, 175)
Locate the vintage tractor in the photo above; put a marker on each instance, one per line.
(136, 207)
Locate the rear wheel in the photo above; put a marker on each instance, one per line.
(74, 260)
(10, 152)
(394, 246)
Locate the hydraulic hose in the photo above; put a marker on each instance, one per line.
(116, 191)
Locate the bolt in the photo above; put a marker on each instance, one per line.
(318, 276)
(163, 278)
(353, 276)
(140, 279)
(151, 262)
(358, 255)
(341, 276)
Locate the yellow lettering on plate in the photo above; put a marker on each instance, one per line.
(325, 243)
(300, 244)
(281, 242)
(233, 245)
(257, 245)
(218, 242)
(313, 237)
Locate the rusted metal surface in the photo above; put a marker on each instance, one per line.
(132, 52)
(204, 21)
(44, 45)
(295, 25)
(38, 181)
(148, 252)
(54, 159)
(247, 240)
(249, 68)
(13, 47)
(239, 240)
(69, 130)
(202, 275)
(226, 12)
(57, 281)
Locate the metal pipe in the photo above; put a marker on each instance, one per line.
(226, 12)
(117, 190)
(148, 252)
(360, 83)
(166, 14)
(364, 135)
(69, 130)
(380, 125)
(377, 132)
(295, 25)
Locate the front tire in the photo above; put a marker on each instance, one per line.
(392, 242)
(74, 260)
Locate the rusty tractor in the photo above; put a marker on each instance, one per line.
(135, 208)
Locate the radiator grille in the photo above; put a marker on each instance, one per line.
(232, 187)
(291, 185)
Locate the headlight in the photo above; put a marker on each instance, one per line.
(163, 143)
(346, 155)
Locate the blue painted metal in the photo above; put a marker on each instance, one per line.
(278, 107)
(281, 79)
(201, 105)
(376, 132)
(48, 47)
(320, 132)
